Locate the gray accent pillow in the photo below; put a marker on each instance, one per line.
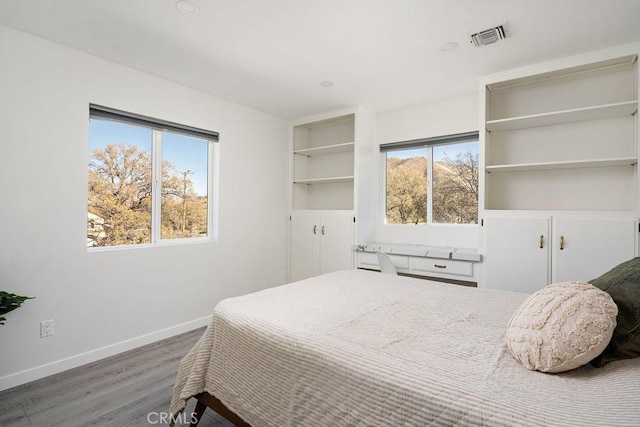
(623, 284)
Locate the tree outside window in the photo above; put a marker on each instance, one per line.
(122, 208)
(432, 184)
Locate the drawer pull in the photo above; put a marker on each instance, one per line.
(439, 266)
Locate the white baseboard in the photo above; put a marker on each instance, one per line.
(61, 365)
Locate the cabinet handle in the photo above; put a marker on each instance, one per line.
(315, 229)
(439, 266)
(541, 241)
(322, 231)
(561, 243)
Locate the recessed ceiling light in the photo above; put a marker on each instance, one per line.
(188, 7)
(326, 83)
(449, 46)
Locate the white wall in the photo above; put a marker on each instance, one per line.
(444, 117)
(107, 302)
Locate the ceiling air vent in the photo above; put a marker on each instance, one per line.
(489, 36)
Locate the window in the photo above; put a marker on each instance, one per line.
(150, 181)
(432, 180)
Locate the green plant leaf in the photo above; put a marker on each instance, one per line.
(9, 302)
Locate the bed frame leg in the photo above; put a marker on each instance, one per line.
(195, 418)
(205, 400)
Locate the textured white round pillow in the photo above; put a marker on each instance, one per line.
(561, 327)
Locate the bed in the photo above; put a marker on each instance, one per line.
(362, 348)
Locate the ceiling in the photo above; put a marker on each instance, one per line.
(272, 55)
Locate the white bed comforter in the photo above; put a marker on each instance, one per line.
(368, 349)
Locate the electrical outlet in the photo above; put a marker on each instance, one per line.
(46, 328)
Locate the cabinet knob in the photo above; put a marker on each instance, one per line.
(541, 241)
(439, 266)
(315, 229)
(561, 243)
(322, 231)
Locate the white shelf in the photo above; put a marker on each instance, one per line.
(327, 149)
(606, 111)
(324, 180)
(575, 164)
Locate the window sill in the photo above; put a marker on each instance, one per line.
(162, 244)
(424, 251)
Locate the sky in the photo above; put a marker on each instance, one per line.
(185, 152)
(439, 151)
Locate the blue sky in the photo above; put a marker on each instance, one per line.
(452, 150)
(185, 152)
(439, 151)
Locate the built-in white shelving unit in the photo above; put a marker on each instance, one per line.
(323, 163)
(567, 139)
(559, 193)
(323, 193)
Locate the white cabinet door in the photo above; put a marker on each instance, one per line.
(305, 245)
(585, 248)
(320, 243)
(516, 253)
(336, 242)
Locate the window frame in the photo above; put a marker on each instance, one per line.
(428, 144)
(158, 127)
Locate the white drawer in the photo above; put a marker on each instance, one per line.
(370, 260)
(442, 266)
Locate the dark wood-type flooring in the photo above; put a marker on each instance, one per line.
(129, 389)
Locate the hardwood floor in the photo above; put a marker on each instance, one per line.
(129, 389)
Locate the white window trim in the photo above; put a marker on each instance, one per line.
(429, 185)
(156, 190)
(213, 174)
(382, 194)
(213, 189)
